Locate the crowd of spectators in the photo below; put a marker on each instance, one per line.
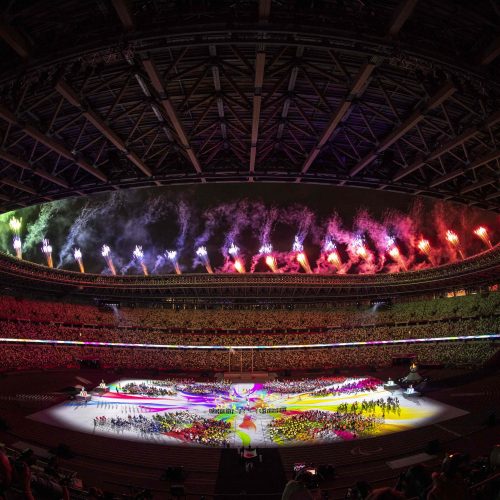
(434, 318)
(254, 318)
(459, 477)
(459, 353)
(117, 334)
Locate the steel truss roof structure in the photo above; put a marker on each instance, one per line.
(394, 95)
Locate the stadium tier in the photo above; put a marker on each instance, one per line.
(480, 270)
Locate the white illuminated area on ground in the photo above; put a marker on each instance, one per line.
(268, 414)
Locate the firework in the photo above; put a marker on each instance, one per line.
(482, 232)
(297, 245)
(238, 262)
(238, 265)
(78, 257)
(266, 249)
(301, 256)
(106, 253)
(202, 253)
(138, 255)
(394, 252)
(270, 261)
(304, 262)
(360, 248)
(172, 257)
(453, 240)
(16, 243)
(15, 227)
(424, 246)
(233, 250)
(47, 250)
(332, 255)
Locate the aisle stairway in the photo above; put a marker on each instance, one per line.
(266, 477)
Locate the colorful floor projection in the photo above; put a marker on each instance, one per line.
(219, 413)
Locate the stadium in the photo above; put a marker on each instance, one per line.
(249, 249)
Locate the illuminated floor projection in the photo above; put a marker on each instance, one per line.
(275, 413)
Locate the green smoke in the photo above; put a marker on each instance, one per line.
(37, 230)
(5, 232)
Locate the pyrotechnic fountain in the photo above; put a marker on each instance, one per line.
(370, 246)
(171, 255)
(106, 253)
(453, 240)
(238, 263)
(302, 259)
(332, 255)
(202, 253)
(424, 246)
(138, 254)
(481, 232)
(360, 248)
(15, 227)
(78, 257)
(267, 251)
(393, 251)
(47, 250)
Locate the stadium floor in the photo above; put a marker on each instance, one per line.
(252, 413)
(106, 462)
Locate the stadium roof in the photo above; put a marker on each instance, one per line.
(104, 95)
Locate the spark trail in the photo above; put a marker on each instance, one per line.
(138, 255)
(15, 226)
(78, 257)
(47, 251)
(202, 253)
(106, 253)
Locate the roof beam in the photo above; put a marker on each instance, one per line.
(356, 89)
(448, 146)
(40, 172)
(218, 93)
(260, 62)
(14, 39)
(459, 171)
(156, 81)
(17, 185)
(416, 117)
(122, 9)
(51, 143)
(403, 11)
(264, 10)
(92, 116)
(490, 53)
(494, 195)
(478, 185)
